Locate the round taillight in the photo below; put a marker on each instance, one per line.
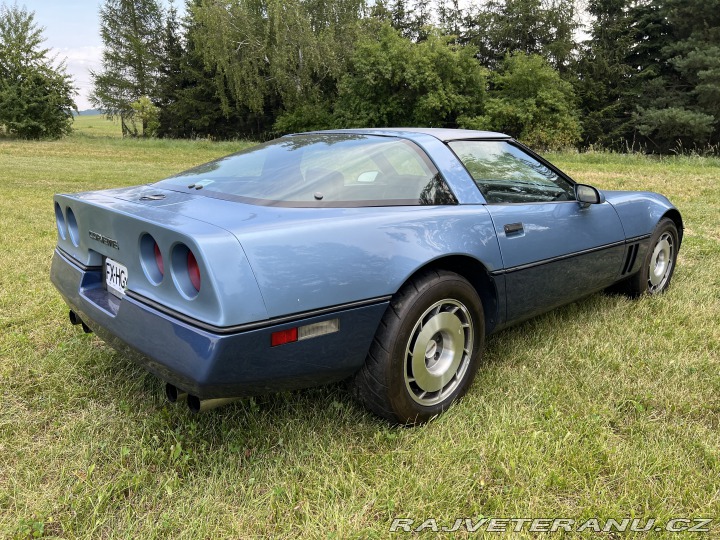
(151, 259)
(185, 271)
(193, 270)
(159, 259)
(72, 226)
(60, 220)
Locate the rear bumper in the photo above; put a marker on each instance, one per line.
(209, 364)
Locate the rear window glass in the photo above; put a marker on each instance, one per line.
(322, 170)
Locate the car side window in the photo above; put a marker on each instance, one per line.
(505, 173)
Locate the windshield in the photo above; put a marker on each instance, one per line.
(318, 170)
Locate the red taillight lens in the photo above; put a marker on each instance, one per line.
(283, 336)
(159, 259)
(193, 270)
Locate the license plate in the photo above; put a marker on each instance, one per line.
(116, 276)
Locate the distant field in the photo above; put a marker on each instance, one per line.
(95, 125)
(607, 408)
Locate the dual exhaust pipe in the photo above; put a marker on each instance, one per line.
(75, 320)
(194, 403)
(173, 393)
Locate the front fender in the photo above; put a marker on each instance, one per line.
(639, 211)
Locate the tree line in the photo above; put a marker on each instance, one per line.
(643, 75)
(260, 68)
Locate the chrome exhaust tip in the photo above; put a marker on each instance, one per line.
(174, 394)
(197, 405)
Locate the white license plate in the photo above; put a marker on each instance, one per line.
(116, 276)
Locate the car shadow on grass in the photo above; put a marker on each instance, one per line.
(325, 411)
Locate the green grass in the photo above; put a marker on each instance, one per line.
(606, 408)
(96, 126)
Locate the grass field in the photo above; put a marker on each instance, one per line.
(606, 408)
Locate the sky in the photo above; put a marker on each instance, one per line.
(72, 31)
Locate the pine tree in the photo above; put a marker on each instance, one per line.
(502, 27)
(604, 77)
(36, 94)
(132, 33)
(401, 17)
(450, 17)
(192, 102)
(678, 72)
(171, 76)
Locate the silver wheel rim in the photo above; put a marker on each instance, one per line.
(438, 352)
(661, 263)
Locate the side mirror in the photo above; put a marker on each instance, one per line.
(588, 195)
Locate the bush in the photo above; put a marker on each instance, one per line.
(674, 127)
(530, 101)
(395, 82)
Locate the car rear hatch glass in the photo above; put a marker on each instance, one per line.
(321, 170)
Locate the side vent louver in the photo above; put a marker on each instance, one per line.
(630, 258)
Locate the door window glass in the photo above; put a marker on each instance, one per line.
(505, 173)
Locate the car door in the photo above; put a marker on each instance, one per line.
(554, 249)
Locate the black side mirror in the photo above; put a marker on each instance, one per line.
(588, 195)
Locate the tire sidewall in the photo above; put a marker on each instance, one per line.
(665, 225)
(446, 287)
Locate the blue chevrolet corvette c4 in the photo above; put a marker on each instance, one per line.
(381, 256)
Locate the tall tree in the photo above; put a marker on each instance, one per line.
(192, 103)
(412, 18)
(604, 77)
(36, 94)
(649, 77)
(401, 17)
(450, 17)
(274, 57)
(676, 60)
(132, 32)
(543, 27)
(171, 77)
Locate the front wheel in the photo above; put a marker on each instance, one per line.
(426, 350)
(657, 269)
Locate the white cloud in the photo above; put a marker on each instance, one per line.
(79, 61)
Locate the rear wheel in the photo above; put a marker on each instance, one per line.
(426, 350)
(659, 264)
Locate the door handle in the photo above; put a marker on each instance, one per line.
(512, 228)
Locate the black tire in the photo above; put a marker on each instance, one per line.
(415, 368)
(659, 264)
